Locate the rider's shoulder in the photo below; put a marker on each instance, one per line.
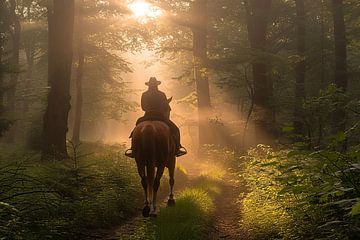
(154, 93)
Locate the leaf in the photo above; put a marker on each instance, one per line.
(355, 209)
(293, 153)
(287, 129)
(356, 165)
(339, 137)
(330, 223)
(268, 164)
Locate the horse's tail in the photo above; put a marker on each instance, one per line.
(149, 156)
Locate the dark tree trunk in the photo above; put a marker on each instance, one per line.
(1, 77)
(300, 68)
(15, 51)
(5, 22)
(79, 79)
(257, 20)
(341, 76)
(199, 29)
(322, 77)
(61, 26)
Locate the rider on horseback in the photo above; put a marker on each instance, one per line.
(156, 107)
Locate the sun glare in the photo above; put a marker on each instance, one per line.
(143, 10)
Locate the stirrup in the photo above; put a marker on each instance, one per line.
(181, 152)
(129, 153)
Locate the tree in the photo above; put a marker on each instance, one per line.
(99, 90)
(341, 76)
(199, 30)
(257, 21)
(300, 68)
(5, 23)
(15, 32)
(61, 25)
(79, 75)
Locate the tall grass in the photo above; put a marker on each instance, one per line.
(190, 218)
(68, 199)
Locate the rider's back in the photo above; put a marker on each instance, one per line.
(155, 101)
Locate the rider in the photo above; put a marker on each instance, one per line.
(156, 107)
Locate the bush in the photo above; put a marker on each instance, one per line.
(299, 194)
(64, 200)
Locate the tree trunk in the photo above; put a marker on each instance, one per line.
(61, 26)
(11, 98)
(300, 68)
(322, 77)
(257, 19)
(1, 79)
(79, 79)
(341, 76)
(199, 29)
(5, 22)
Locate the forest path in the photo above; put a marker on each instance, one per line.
(224, 193)
(228, 211)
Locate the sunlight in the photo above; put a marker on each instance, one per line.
(144, 11)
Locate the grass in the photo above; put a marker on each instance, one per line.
(73, 198)
(66, 199)
(300, 194)
(190, 218)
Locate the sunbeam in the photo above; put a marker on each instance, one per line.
(143, 10)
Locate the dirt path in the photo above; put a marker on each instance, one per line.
(228, 212)
(130, 227)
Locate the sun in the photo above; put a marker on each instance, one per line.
(143, 10)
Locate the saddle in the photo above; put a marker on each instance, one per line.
(153, 116)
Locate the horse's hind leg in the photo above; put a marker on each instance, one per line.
(171, 200)
(144, 183)
(159, 173)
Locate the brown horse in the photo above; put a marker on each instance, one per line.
(154, 148)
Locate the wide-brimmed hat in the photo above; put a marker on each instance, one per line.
(153, 82)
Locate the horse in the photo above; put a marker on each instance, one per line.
(154, 148)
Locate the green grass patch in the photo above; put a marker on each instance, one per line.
(188, 219)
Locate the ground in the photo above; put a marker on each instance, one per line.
(222, 222)
(228, 212)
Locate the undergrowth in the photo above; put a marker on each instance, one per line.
(301, 194)
(96, 188)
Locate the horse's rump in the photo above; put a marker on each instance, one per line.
(153, 143)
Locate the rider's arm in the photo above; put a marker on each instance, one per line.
(166, 106)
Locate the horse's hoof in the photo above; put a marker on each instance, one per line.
(171, 202)
(146, 211)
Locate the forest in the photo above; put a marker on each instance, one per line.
(265, 93)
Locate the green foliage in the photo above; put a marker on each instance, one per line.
(302, 194)
(264, 216)
(63, 200)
